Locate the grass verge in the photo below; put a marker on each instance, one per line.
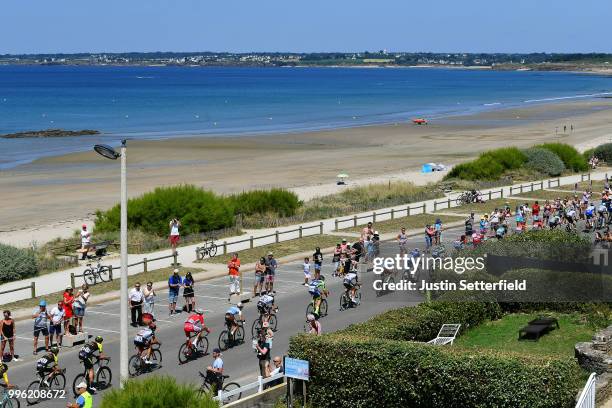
(411, 222)
(479, 208)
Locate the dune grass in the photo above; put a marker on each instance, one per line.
(480, 208)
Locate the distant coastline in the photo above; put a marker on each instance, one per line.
(35, 134)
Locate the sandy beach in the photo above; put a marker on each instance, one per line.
(53, 196)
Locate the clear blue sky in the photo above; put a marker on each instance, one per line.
(39, 26)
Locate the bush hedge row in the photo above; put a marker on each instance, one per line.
(568, 154)
(490, 165)
(544, 161)
(603, 152)
(352, 371)
(16, 263)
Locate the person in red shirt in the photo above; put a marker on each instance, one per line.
(68, 313)
(535, 213)
(234, 274)
(195, 324)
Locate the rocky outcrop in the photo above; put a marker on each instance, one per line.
(595, 355)
(50, 133)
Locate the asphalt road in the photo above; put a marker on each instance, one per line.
(241, 361)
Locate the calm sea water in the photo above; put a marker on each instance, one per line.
(162, 102)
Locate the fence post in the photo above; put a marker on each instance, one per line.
(408, 211)
(224, 247)
(33, 289)
(301, 233)
(502, 192)
(449, 202)
(71, 280)
(531, 186)
(542, 185)
(110, 272)
(251, 241)
(374, 216)
(260, 381)
(336, 222)
(435, 206)
(354, 221)
(321, 228)
(276, 236)
(392, 213)
(174, 258)
(489, 195)
(145, 267)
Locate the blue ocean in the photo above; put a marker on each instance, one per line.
(166, 102)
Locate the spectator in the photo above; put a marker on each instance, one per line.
(367, 230)
(68, 312)
(314, 326)
(174, 282)
(135, 299)
(317, 257)
(175, 224)
(84, 400)
(188, 294)
(57, 317)
(7, 334)
(263, 352)
(306, 268)
(234, 275)
(85, 241)
(438, 231)
(271, 266)
(429, 234)
(80, 303)
(149, 298)
(276, 368)
(336, 259)
(41, 325)
(260, 271)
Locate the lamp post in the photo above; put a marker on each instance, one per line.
(110, 153)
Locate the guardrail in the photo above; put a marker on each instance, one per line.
(259, 385)
(354, 219)
(587, 396)
(31, 286)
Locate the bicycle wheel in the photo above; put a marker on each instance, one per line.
(11, 402)
(323, 307)
(58, 382)
(358, 297)
(104, 377)
(89, 277)
(309, 309)
(224, 341)
(77, 380)
(156, 357)
(134, 365)
(212, 250)
(256, 327)
(203, 345)
(343, 301)
(184, 353)
(273, 322)
(104, 274)
(239, 335)
(204, 389)
(459, 200)
(231, 387)
(33, 392)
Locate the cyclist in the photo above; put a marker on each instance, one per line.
(195, 324)
(85, 355)
(233, 316)
(4, 375)
(214, 372)
(318, 290)
(266, 307)
(351, 283)
(589, 213)
(314, 325)
(47, 366)
(144, 341)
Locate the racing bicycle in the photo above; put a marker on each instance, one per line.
(227, 340)
(102, 375)
(345, 298)
(43, 388)
(137, 364)
(187, 351)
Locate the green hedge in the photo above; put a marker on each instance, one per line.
(156, 392)
(490, 165)
(603, 152)
(568, 154)
(16, 263)
(349, 371)
(544, 161)
(281, 202)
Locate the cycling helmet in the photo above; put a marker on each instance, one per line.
(98, 339)
(199, 311)
(310, 317)
(55, 349)
(240, 305)
(322, 278)
(152, 326)
(4, 367)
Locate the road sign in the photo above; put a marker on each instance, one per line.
(298, 369)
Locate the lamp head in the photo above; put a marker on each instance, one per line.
(106, 151)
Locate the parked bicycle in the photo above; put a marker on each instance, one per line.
(345, 299)
(210, 381)
(9, 398)
(102, 375)
(467, 197)
(45, 388)
(137, 364)
(209, 248)
(189, 351)
(92, 275)
(227, 340)
(322, 308)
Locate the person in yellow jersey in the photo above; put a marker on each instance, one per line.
(4, 375)
(84, 400)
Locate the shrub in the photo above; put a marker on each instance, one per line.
(281, 202)
(603, 152)
(16, 263)
(544, 161)
(568, 154)
(156, 392)
(490, 165)
(351, 371)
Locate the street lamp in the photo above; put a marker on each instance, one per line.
(110, 153)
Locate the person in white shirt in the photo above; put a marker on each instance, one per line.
(85, 241)
(135, 298)
(57, 317)
(306, 267)
(149, 298)
(79, 305)
(175, 224)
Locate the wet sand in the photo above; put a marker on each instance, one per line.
(54, 195)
